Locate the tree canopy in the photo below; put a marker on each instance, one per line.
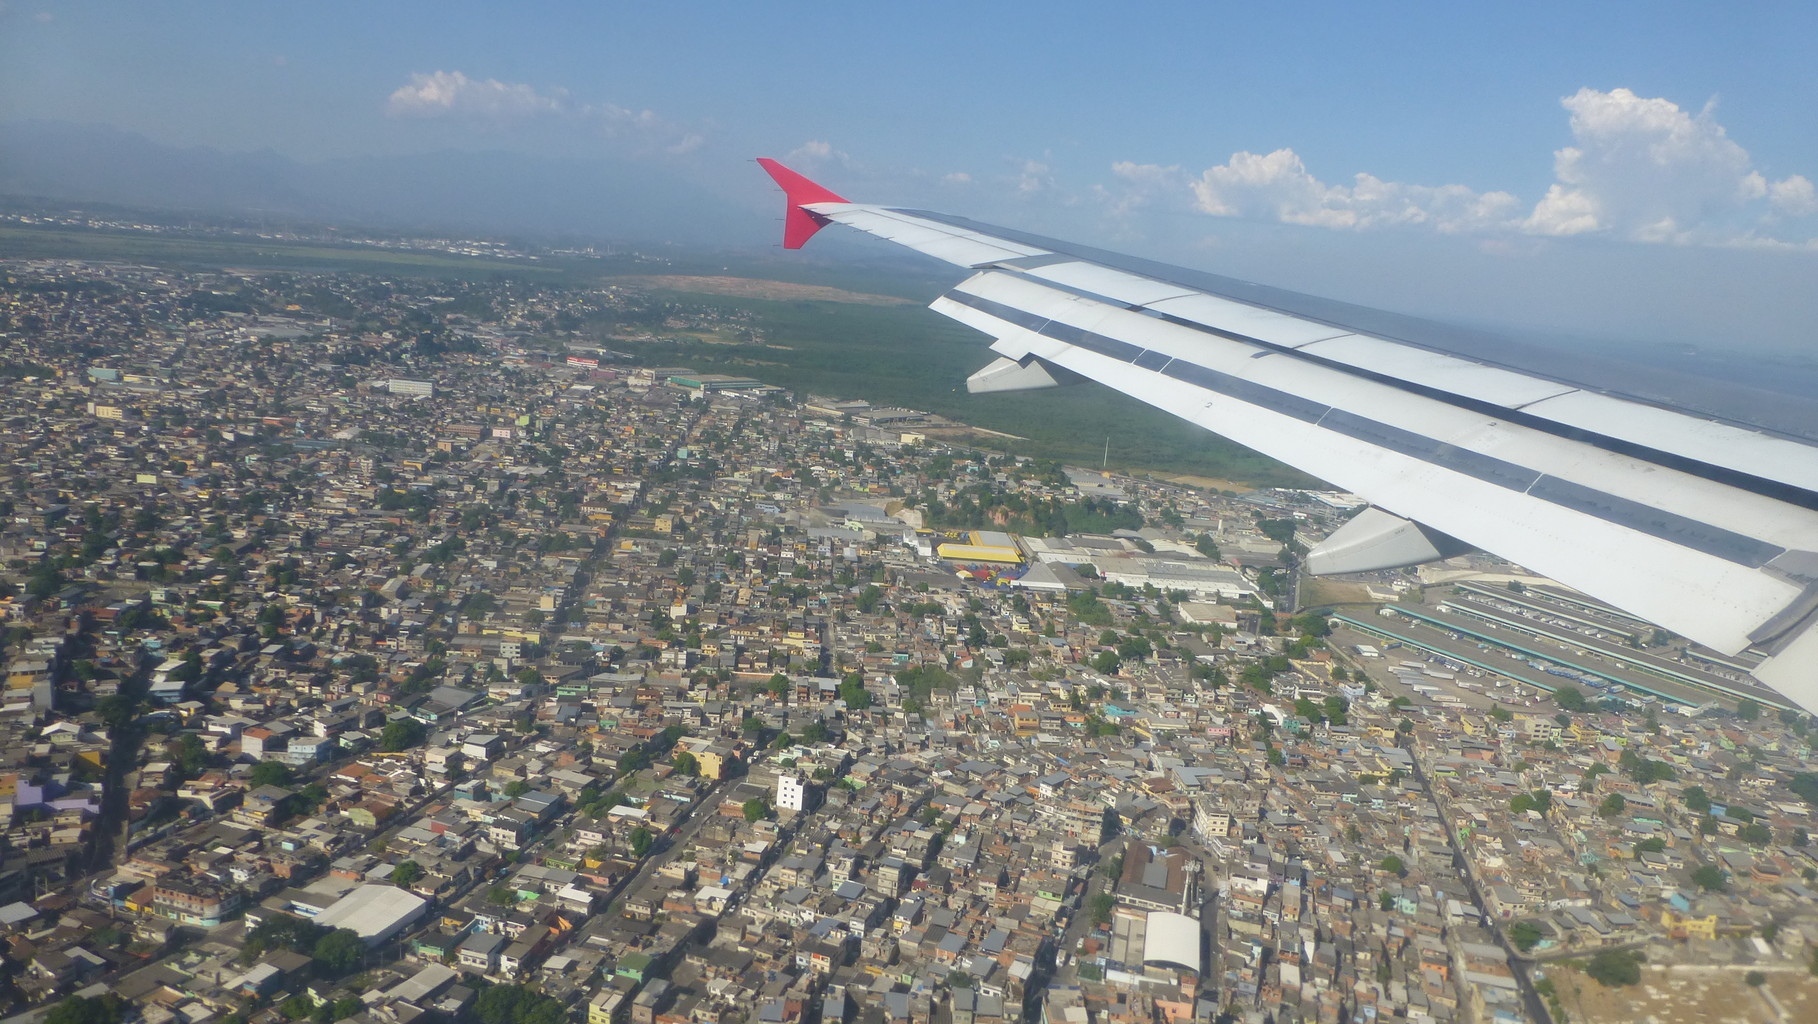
(102, 1009)
(1612, 968)
(518, 1004)
(339, 952)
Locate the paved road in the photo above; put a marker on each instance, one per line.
(1537, 1008)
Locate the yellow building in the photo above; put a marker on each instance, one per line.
(711, 757)
(1678, 925)
(978, 546)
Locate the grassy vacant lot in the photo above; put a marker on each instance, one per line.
(1687, 994)
(908, 355)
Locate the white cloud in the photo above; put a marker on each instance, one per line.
(1793, 196)
(1147, 174)
(1139, 185)
(451, 92)
(688, 143)
(1278, 186)
(1034, 176)
(1639, 169)
(956, 178)
(454, 94)
(817, 152)
(1644, 169)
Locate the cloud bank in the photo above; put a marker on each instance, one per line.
(452, 94)
(1639, 169)
(442, 93)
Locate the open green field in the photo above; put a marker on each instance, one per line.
(911, 356)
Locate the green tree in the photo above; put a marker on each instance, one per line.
(339, 952)
(115, 710)
(1696, 800)
(1613, 968)
(756, 809)
(401, 734)
(188, 753)
(1099, 908)
(407, 873)
(1570, 698)
(1393, 865)
(869, 597)
(1806, 785)
(1612, 805)
(1524, 934)
(102, 1009)
(685, 764)
(1748, 710)
(640, 841)
(517, 1004)
(853, 692)
(1709, 877)
(270, 773)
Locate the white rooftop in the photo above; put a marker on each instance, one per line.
(372, 910)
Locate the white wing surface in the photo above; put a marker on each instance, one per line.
(1695, 520)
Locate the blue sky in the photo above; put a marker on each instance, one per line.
(1632, 166)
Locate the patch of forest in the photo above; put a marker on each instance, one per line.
(913, 357)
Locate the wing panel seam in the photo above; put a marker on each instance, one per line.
(1642, 518)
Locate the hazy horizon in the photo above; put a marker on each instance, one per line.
(1641, 178)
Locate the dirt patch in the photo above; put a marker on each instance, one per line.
(1687, 994)
(754, 288)
(1210, 483)
(946, 433)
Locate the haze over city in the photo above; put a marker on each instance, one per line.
(489, 535)
(1630, 170)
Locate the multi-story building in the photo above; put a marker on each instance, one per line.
(196, 903)
(791, 792)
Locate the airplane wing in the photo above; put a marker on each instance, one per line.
(1699, 522)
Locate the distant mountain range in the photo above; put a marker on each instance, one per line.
(494, 192)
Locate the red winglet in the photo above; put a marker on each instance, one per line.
(799, 225)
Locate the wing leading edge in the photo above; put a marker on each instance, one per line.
(1701, 523)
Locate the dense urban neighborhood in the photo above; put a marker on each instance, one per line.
(403, 650)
